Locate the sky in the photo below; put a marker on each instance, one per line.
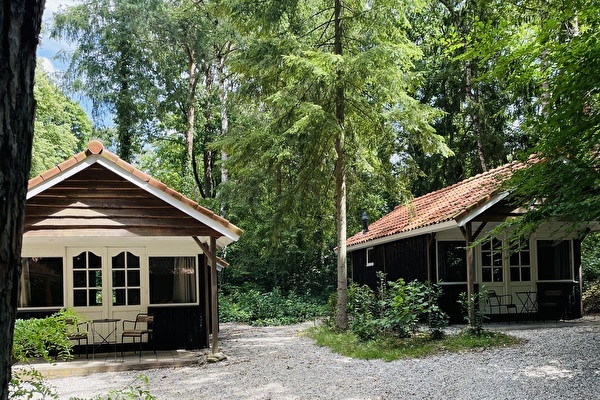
(47, 54)
(49, 48)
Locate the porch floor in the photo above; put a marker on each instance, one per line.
(108, 362)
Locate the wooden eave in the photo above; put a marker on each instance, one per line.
(98, 202)
(95, 193)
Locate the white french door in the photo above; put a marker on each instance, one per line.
(107, 282)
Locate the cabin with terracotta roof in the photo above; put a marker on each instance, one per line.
(109, 241)
(428, 239)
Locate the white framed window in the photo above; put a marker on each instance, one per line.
(172, 279)
(491, 261)
(42, 282)
(370, 257)
(520, 263)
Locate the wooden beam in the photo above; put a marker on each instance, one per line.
(478, 231)
(202, 245)
(213, 284)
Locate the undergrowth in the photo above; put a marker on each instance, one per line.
(265, 309)
(392, 348)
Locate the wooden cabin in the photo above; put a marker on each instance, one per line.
(428, 240)
(109, 241)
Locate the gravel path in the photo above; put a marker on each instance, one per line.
(272, 363)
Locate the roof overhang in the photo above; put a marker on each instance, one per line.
(227, 235)
(477, 211)
(442, 226)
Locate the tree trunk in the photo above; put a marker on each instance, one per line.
(208, 155)
(223, 91)
(20, 22)
(340, 181)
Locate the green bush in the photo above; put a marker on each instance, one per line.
(273, 308)
(475, 324)
(591, 298)
(396, 309)
(43, 337)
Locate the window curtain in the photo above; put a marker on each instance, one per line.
(184, 282)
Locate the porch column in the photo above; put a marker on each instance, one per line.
(214, 299)
(468, 234)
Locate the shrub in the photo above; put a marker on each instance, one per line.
(397, 309)
(475, 324)
(273, 308)
(591, 298)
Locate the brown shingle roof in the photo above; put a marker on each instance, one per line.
(450, 203)
(96, 147)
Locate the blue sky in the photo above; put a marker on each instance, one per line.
(49, 48)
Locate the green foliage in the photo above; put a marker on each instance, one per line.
(263, 309)
(590, 258)
(61, 126)
(139, 389)
(396, 309)
(474, 302)
(591, 298)
(43, 337)
(28, 383)
(389, 348)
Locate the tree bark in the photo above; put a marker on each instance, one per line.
(340, 181)
(20, 22)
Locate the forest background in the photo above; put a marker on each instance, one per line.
(278, 114)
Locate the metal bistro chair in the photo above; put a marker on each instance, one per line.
(74, 332)
(143, 325)
(499, 301)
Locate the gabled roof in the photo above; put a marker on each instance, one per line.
(66, 177)
(449, 207)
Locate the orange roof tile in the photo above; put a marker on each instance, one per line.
(447, 204)
(96, 147)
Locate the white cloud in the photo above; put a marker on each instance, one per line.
(47, 65)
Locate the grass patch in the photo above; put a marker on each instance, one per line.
(419, 346)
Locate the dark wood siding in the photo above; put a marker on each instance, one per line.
(98, 202)
(179, 327)
(406, 259)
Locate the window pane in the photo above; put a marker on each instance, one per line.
(95, 297)
(498, 275)
(95, 279)
(79, 279)
(79, 261)
(514, 274)
(486, 275)
(525, 258)
(526, 273)
(118, 278)
(514, 258)
(486, 259)
(119, 297)
(42, 282)
(133, 278)
(79, 298)
(452, 261)
(94, 260)
(554, 259)
(133, 297)
(172, 280)
(497, 259)
(118, 261)
(133, 261)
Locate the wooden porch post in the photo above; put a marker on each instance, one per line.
(213, 286)
(468, 234)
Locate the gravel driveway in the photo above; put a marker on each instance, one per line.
(273, 363)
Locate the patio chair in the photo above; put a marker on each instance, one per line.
(499, 302)
(142, 326)
(75, 332)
